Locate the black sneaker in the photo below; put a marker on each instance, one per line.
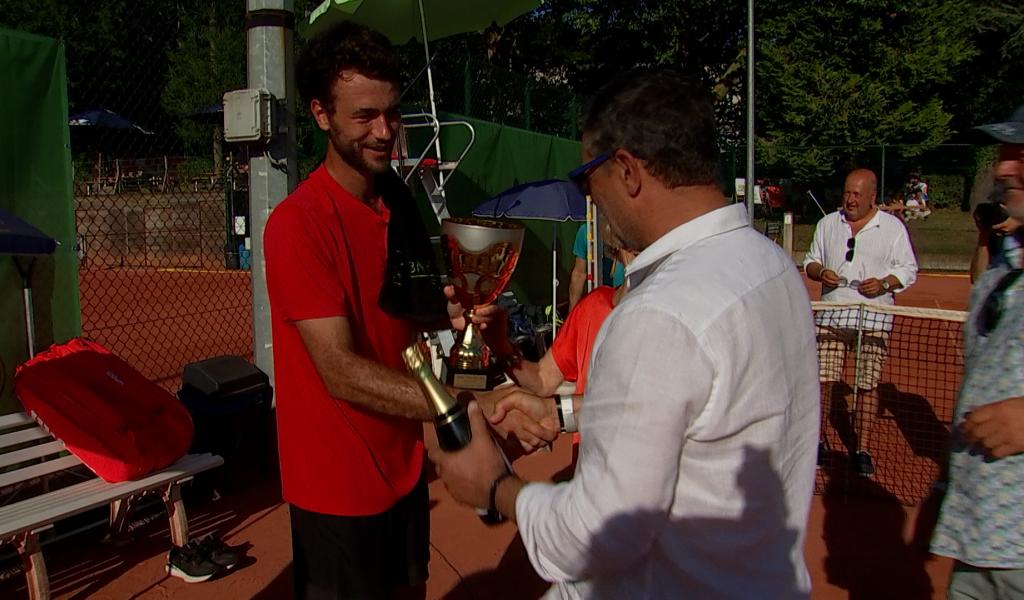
(216, 551)
(863, 464)
(188, 564)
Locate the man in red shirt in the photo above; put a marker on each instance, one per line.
(349, 417)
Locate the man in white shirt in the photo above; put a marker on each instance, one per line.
(859, 254)
(700, 417)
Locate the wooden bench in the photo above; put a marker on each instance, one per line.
(30, 457)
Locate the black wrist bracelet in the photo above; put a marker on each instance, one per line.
(491, 499)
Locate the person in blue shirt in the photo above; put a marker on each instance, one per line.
(613, 270)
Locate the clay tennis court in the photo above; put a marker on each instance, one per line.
(175, 316)
(857, 546)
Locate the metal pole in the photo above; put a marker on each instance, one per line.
(124, 253)
(882, 191)
(787, 232)
(467, 88)
(30, 324)
(270, 26)
(430, 92)
(749, 192)
(856, 416)
(554, 280)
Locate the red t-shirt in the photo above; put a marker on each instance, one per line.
(326, 253)
(575, 340)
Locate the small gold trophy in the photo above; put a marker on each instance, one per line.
(480, 255)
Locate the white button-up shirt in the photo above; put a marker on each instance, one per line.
(699, 430)
(882, 247)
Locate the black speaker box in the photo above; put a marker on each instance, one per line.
(230, 402)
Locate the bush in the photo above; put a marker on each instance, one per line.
(82, 167)
(945, 191)
(195, 166)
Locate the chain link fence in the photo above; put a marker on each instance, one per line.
(477, 88)
(161, 204)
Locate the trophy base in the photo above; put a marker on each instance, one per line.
(472, 379)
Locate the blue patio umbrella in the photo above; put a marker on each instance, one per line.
(213, 113)
(21, 239)
(101, 117)
(549, 200)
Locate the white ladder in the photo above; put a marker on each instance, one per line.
(433, 172)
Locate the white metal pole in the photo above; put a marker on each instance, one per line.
(554, 280)
(593, 264)
(749, 192)
(30, 325)
(881, 191)
(430, 92)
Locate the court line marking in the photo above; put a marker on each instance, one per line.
(183, 270)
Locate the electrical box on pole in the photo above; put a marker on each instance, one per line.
(248, 116)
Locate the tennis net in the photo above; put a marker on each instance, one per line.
(890, 377)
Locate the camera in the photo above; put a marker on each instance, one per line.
(990, 214)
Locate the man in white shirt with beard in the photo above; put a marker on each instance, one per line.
(700, 416)
(859, 254)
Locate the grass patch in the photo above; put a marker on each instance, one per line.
(946, 232)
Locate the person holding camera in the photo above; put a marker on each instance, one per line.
(981, 522)
(998, 236)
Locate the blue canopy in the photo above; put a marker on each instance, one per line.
(101, 117)
(213, 113)
(19, 238)
(549, 200)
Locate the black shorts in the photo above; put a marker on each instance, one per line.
(361, 557)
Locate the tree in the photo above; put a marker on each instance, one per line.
(855, 73)
(584, 42)
(989, 87)
(208, 60)
(569, 48)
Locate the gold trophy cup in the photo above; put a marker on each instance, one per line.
(480, 255)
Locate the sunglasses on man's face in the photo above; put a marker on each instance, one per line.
(850, 243)
(992, 309)
(581, 174)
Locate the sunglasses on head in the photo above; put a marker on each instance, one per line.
(581, 174)
(850, 243)
(992, 309)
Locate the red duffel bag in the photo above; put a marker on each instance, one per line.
(118, 423)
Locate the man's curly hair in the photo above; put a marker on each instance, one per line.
(345, 46)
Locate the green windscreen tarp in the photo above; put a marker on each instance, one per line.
(502, 157)
(35, 185)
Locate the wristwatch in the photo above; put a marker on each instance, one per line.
(885, 285)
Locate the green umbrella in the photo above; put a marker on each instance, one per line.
(403, 20)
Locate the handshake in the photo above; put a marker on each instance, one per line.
(523, 421)
(517, 415)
